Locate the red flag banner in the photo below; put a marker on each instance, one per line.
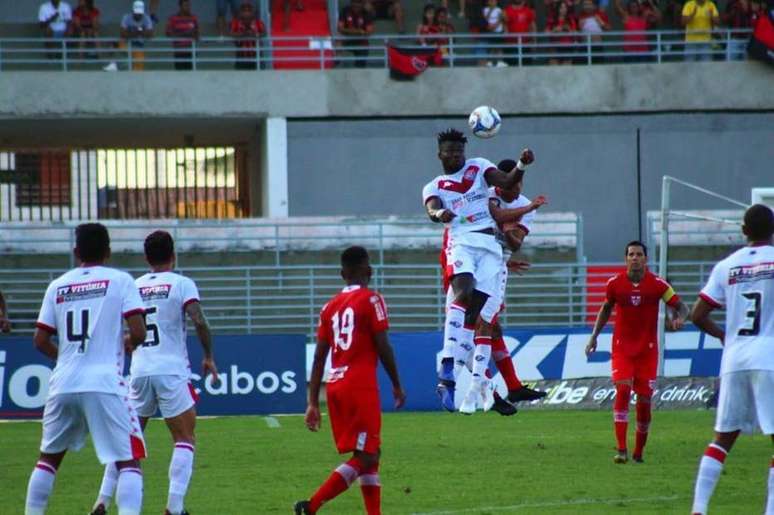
(407, 63)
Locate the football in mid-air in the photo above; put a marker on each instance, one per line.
(484, 121)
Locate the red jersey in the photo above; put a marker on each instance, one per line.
(636, 311)
(179, 24)
(86, 17)
(247, 28)
(520, 19)
(635, 42)
(349, 322)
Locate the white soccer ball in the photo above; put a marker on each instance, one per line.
(484, 121)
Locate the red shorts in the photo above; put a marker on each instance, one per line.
(641, 368)
(356, 420)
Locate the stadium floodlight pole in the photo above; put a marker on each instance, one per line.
(662, 268)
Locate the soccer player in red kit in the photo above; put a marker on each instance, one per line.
(353, 326)
(636, 294)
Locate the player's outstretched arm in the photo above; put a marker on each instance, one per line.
(602, 317)
(700, 316)
(501, 179)
(136, 324)
(504, 215)
(196, 314)
(42, 341)
(514, 238)
(387, 357)
(679, 314)
(5, 323)
(437, 212)
(312, 417)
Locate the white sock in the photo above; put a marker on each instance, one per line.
(129, 491)
(108, 487)
(452, 329)
(463, 352)
(770, 501)
(709, 472)
(39, 488)
(180, 470)
(482, 356)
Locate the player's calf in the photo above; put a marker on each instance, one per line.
(129, 488)
(41, 483)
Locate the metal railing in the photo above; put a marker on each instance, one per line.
(325, 52)
(287, 299)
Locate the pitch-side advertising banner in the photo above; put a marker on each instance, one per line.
(258, 375)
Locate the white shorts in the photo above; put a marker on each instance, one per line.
(746, 402)
(475, 256)
(172, 395)
(110, 418)
(495, 303)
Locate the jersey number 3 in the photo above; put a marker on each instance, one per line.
(753, 314)
(343, 327)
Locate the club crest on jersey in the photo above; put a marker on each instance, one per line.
(636, 299)
(81, 291)
(470, 173)
(156, 292)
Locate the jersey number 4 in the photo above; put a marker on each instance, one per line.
(343, 327)
(753, 314)
(78, 335)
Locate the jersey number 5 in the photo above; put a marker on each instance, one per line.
(343, 327)
(753, 314)
(152, 335)
(81, 334)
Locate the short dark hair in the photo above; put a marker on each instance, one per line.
(159, 248)
(759, 222)
(636, 243)
(506, 165)
(451, 135)
(354, 256)
(92, 242)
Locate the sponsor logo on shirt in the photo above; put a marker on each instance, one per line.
(751, 273)
(82, 291)
(156, 292)
(636, 299)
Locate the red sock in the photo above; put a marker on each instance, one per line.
(623, 393)
(336, 483)
(643, 424)
(371, 489)
(504, 364)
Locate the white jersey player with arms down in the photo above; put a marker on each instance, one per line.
(87, 393)
(160, 371)
(744, 284)
(459, 198)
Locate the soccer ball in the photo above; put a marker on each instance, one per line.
(484, 122)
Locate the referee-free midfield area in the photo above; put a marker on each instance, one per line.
(432, 463)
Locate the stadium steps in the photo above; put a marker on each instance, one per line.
(312, 21)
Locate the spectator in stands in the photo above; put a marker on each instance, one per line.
(461, 5)
(562, 25)
(443, 26)
(55, 19)
(635, 22)
(386, 10)
(221, 7)
(592, 22)
(86, 23)
(136, 28)
(520, 20)
(356, 24)
(247, 28)
(699, 18)
(495, 26)
(427, 26)
(186, 26)
(739, 15)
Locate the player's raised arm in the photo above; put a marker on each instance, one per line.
(700, 316)
(312, 417)
(196, 314)
(504, 215)
(501, 179)
(387, 357)
(602, 317)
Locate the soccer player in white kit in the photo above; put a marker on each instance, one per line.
(459, 198)
(744, 283)
(160, 371)
(87, 393)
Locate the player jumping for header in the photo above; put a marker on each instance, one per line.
(635, 294)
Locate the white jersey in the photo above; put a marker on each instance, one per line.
(164, 352)
(466, 194)
(85, 307)
(525, 222)
(744, 283)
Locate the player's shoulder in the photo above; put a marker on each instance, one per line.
(481, 163)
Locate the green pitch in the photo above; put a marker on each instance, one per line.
(433, 463)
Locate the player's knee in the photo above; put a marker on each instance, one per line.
(127, 464)
(367, 460)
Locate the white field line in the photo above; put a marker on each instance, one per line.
(552, 504)
(272, 422)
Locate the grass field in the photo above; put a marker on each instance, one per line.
(433, 463)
